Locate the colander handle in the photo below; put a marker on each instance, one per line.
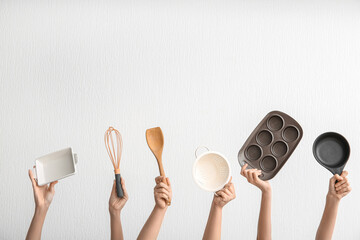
(199, 148)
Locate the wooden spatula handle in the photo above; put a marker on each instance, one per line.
(162, 173)
(161, 168)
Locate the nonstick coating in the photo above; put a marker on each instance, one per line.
(332, 151)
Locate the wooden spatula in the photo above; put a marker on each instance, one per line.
(155, 141)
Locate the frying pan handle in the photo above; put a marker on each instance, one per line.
(119, 190)
(337, 171)
(199, 148)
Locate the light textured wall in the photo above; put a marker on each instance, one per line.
(206, 72)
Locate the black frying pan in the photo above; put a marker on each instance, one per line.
(332, 151)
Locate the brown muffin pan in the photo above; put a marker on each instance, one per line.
(271, 144)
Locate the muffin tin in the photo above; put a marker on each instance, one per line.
(271, 144)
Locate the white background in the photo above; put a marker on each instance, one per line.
(206, 72)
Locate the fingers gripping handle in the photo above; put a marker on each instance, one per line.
(338, 171)
(336, 181)
(119, 190)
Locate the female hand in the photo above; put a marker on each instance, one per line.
(43, 195)
(116, 203)
(162, 192)
(225, 195)
(341, 188)
(252, 176)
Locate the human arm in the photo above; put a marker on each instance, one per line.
(43, 196)
(221, 198)
(336, 192)
(116, 204)
(162, 194)
(264, 222)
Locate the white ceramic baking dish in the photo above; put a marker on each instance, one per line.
(55, 166)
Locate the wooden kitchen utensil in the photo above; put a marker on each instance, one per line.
(155, 141)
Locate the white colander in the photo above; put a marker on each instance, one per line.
(211, 170)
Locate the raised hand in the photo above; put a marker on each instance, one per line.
(341, 188)
(162, 195)
(221, 198)
(43, 195)
(225, 195)
(336, 192)
(116, 203)
(162, 192)
(264, 223)
(252, 176)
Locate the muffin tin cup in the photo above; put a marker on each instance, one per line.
(253, 152)
(264, 137)
(279, 149)
(271, 144)
(268, 163)
(290, 134)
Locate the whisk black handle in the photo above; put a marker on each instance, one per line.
(119, 190)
